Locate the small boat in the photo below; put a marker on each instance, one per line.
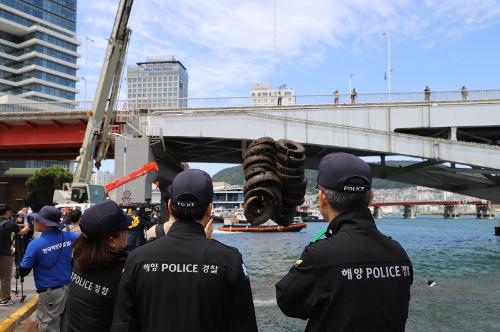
(235, 224)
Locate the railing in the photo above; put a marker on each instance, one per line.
(260, 101)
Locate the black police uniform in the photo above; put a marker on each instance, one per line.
(357, 279)
(184, 282)
(91, 298)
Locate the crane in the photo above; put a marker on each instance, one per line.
(96, 140)
(145, 169)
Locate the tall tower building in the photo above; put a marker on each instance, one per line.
(38, 49)
(157, 83)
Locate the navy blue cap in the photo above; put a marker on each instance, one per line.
(192, 188)
(49, 216)
(103, 219)
(344, 172)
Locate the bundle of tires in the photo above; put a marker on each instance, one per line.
(274, 180)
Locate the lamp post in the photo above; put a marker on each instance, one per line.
(388, 75)
(87, 40)
(350, 82)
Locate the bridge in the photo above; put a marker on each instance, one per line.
(456, 139)
(484, 208)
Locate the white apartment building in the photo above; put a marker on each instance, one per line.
(157, 83)
(263, 94)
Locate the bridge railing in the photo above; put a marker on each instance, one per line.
(259, 100)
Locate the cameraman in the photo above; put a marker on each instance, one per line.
(7, 228)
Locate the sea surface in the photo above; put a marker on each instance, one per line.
(461, 255)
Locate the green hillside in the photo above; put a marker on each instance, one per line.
(234, 176)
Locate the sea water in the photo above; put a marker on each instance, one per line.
(461, 255)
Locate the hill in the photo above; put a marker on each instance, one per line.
(234, 176)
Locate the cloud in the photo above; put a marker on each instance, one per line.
(229, 44)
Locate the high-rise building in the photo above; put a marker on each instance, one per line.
(103, 178)
(38, 49)
(264, 95)
(157, 83)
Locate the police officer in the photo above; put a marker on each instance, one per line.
(196, 283)
(99, 262)
(357, 279)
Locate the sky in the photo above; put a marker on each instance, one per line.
(312, 46)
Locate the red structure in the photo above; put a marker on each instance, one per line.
(42, 136)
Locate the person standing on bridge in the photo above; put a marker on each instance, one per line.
(464, 93)
(354, 95)
(427, 94)
(357, 279)
(186, 275)
(336, 97)
(280, 97)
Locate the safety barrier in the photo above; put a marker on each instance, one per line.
(258, 99)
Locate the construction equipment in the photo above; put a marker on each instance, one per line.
(148, 167)
(96, 140)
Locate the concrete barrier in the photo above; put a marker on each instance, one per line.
(14, 320)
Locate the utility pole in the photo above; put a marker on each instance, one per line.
(389, 68)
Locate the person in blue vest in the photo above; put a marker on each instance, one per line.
(50, 258)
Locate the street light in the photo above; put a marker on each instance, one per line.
(350, 82)
(87, 40)
(388, 74)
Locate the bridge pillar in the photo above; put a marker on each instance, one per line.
(409, 212)
(483, 211)
(377, 212)
(453, 133)
(132, 153)
(449, 212)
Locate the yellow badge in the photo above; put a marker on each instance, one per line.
(135, 222)
(298, 262)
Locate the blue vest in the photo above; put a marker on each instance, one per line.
(50, 258)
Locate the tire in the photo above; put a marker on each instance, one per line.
(290, 180)
(258, 210)
(295, 171)
(298, 187)
(263, 180)
(263, 140)
(261, 149)
(285, 218)
(293, 201)
(257, 159)
(290, 162)
(254, 170)
(272, 193)
(290, 148)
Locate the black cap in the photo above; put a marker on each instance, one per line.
(344, 172)
(103, 219)
(192, 188)
(49, 216)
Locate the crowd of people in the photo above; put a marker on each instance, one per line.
(351, 278)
